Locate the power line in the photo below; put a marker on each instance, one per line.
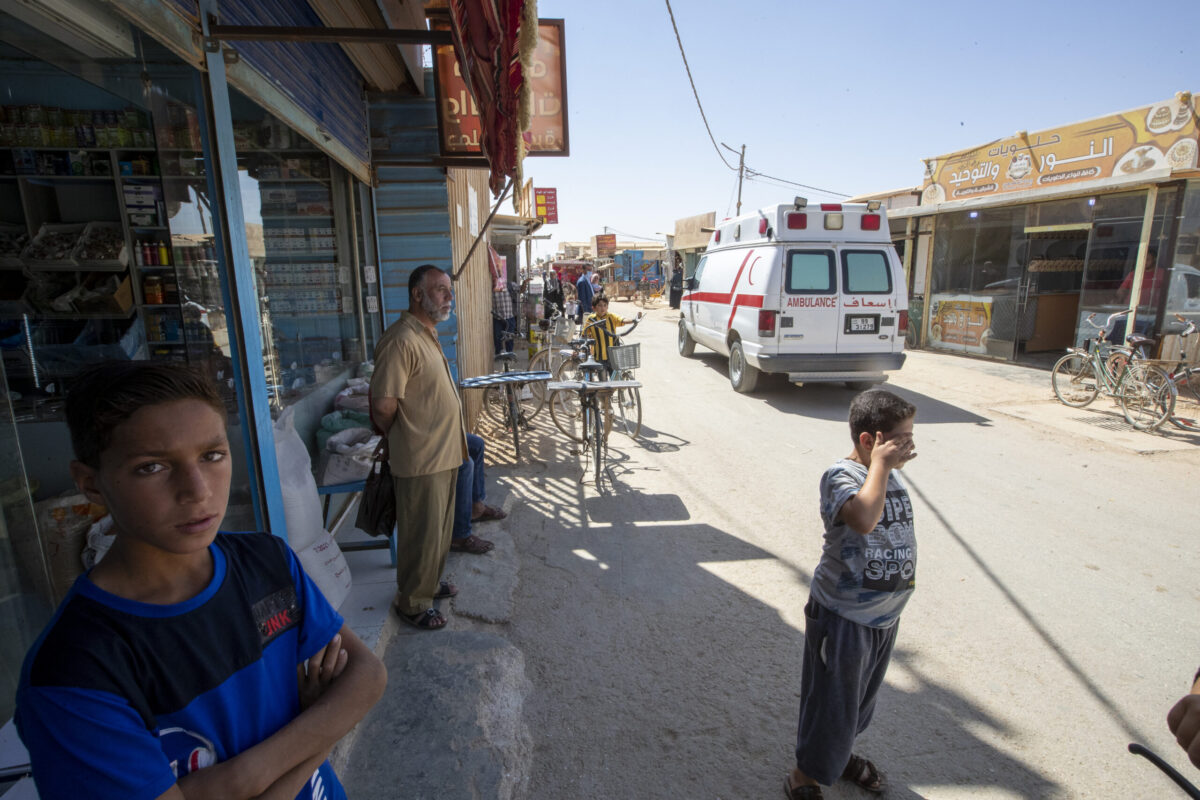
(635, 236)
(694, 92)
(755, 173)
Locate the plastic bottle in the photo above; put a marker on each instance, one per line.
(164, 258)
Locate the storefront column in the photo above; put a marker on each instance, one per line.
(234, 259)
(1139, 269)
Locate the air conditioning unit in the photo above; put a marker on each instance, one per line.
(88, 26)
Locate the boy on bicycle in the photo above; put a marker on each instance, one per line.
(602, 327)
(864, 579)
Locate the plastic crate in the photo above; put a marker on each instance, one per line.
(626, 356)
(70, 233)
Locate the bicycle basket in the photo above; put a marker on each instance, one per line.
(626, 356)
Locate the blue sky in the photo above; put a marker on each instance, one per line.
(847, 97)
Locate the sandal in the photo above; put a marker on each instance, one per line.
(800, 792)
(471, 544)
(445, 589)
(428, 620)
(862, 772)
(489, 513)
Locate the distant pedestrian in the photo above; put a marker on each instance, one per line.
(676, 287)
(585, 291)
(863, 581)
(504, 317)
(552, 296)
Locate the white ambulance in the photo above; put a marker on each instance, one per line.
(813, 292)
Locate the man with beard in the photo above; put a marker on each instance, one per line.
(415, 403)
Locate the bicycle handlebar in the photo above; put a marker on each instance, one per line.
(1189, 326)
(637, 321)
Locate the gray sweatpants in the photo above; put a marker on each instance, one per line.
(844, 665)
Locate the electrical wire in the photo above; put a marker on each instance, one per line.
(753, 173)
(694, 92)
(635, 236)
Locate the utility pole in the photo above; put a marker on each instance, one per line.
(741, 172)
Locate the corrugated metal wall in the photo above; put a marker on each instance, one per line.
(418, 221)
(473, 289)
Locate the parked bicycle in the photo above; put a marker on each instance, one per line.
(1144, 391)
(559, 329)
(625, 410)
(1186, 379)
(581, 403)
(507, 398)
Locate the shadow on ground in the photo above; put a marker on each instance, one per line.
(830, 401)
(663, 665)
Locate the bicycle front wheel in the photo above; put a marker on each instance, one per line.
(565, 409)
(627, 407)
(1187, 404)
(1146, 396)
(597, 444)
(1074, 380)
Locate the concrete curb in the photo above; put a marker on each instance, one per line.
(450, 723)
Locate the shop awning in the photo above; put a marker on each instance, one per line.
(494, 40)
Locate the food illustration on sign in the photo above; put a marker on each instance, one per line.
(1139, 159)
(934, 193)
(1159, 118)
(1182, 154)
(1020, 166)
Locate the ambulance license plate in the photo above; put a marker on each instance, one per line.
(862, 323)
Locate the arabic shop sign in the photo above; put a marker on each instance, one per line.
(458, 116)
(545, 205)
(606, 244)
(1161, 136)
(960, 322)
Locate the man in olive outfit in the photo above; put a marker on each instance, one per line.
(414, 401)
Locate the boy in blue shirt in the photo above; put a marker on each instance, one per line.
(862, 583)
(188, 663)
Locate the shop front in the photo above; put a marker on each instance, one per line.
(1032, 235)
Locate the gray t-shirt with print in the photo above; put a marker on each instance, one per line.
(865, 579)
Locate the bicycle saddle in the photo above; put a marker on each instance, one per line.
(1134, 340)
(591, 366)
(508, 358)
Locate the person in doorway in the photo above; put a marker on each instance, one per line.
(469, 506)
(189, 661)
(1184, 722)
(552, 295)
(584, 292)
(414, 402)
(864, 579)
(504, 318)
(1154, 282)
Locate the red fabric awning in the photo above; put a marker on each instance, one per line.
(494, 40)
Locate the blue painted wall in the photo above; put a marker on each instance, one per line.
(412, 216)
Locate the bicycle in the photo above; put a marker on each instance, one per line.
(1186, 379)
(587, 389)
(626, 412)
(506, 399)
(549, 358)
(650, 292)
(1144, 391)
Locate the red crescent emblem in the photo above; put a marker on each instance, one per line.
(750, 277)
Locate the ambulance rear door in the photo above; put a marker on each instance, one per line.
(868, 317)
(809, 306)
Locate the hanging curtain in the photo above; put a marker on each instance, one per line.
(494, 40)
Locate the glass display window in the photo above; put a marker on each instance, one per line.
(302, 226)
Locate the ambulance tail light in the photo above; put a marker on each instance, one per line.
(831, 206)
(903, 326)
(870, 222)
(766, 322)
(834, 222)
(716, 237)
(762, 227)
(797, 221)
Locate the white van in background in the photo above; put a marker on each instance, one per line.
(815, 292)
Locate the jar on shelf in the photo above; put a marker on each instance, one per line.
(152, 290)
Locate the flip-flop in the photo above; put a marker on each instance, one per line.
(428, 620)
(445, 589)
(862, 772)
(471, 544)
(490, 513)
(800, 792)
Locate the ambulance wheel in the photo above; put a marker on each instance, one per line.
(859, 386)
(687, 345)
(743, 376)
